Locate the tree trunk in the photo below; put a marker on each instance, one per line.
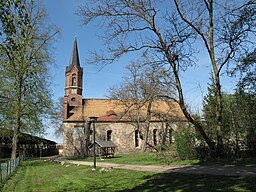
(218, 115)
(197, 125)
(200, 129)
(87, 138)
(181, 101)
(18, 120)
(14, 143)
(147, 126)
(218, 111)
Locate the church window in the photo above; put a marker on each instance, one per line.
(109, 132)
(136, 138)
(73, 81)
(170, 136)
(73, 99)
(154, 136)
(141, 136)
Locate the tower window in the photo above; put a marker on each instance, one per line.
(109, 132)
(73, 99)
(73, 81)
(136, 138)
(154, 136)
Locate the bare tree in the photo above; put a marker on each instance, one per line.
(57, 117)
(225, 30)
(167, 34)
(135, 26)
(141, 87)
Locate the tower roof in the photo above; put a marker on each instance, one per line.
(74, 60)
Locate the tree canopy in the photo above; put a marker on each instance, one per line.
(25, 54)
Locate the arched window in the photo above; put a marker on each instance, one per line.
(109, 132)
(170, 136)
(154, 136)
(136, 138)
(73, 81)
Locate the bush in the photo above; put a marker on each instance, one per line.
(166, 154)
(185, 144)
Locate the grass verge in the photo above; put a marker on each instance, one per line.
(146, 158)
(37, 176)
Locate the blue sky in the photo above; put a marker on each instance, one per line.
(96, 83)
(62, 14)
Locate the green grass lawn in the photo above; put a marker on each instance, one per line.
(37, 175)
(146, 158)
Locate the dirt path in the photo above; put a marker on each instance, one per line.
(227, 170)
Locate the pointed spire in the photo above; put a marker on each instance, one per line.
(74, 60)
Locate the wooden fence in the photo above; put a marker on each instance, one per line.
(6, 169)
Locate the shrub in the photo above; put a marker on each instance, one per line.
(184, 144)
(166, 154)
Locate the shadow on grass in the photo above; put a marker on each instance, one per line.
(71, 187)
(191, 182)
(243, 161)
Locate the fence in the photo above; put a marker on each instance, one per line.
(6, 169)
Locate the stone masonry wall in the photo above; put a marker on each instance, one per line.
(123, 135)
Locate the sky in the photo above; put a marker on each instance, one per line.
(95, 82)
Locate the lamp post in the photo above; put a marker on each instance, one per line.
(93, 120)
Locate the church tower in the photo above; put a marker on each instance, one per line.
(74, 83)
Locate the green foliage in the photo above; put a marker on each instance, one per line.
(25, 54)
(238, 120)
(245, 118)
(246, 69)
(209, 110)
(185, 144)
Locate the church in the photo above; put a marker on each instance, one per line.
(126, 126)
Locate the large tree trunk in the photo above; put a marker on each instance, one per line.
(173, 63)
(218, 111)
(18, 120)
(218, 115)
(181, 102)
(14, 143)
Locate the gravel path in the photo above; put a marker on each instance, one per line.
(227, 170)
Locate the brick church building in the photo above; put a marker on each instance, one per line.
(115, 122)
